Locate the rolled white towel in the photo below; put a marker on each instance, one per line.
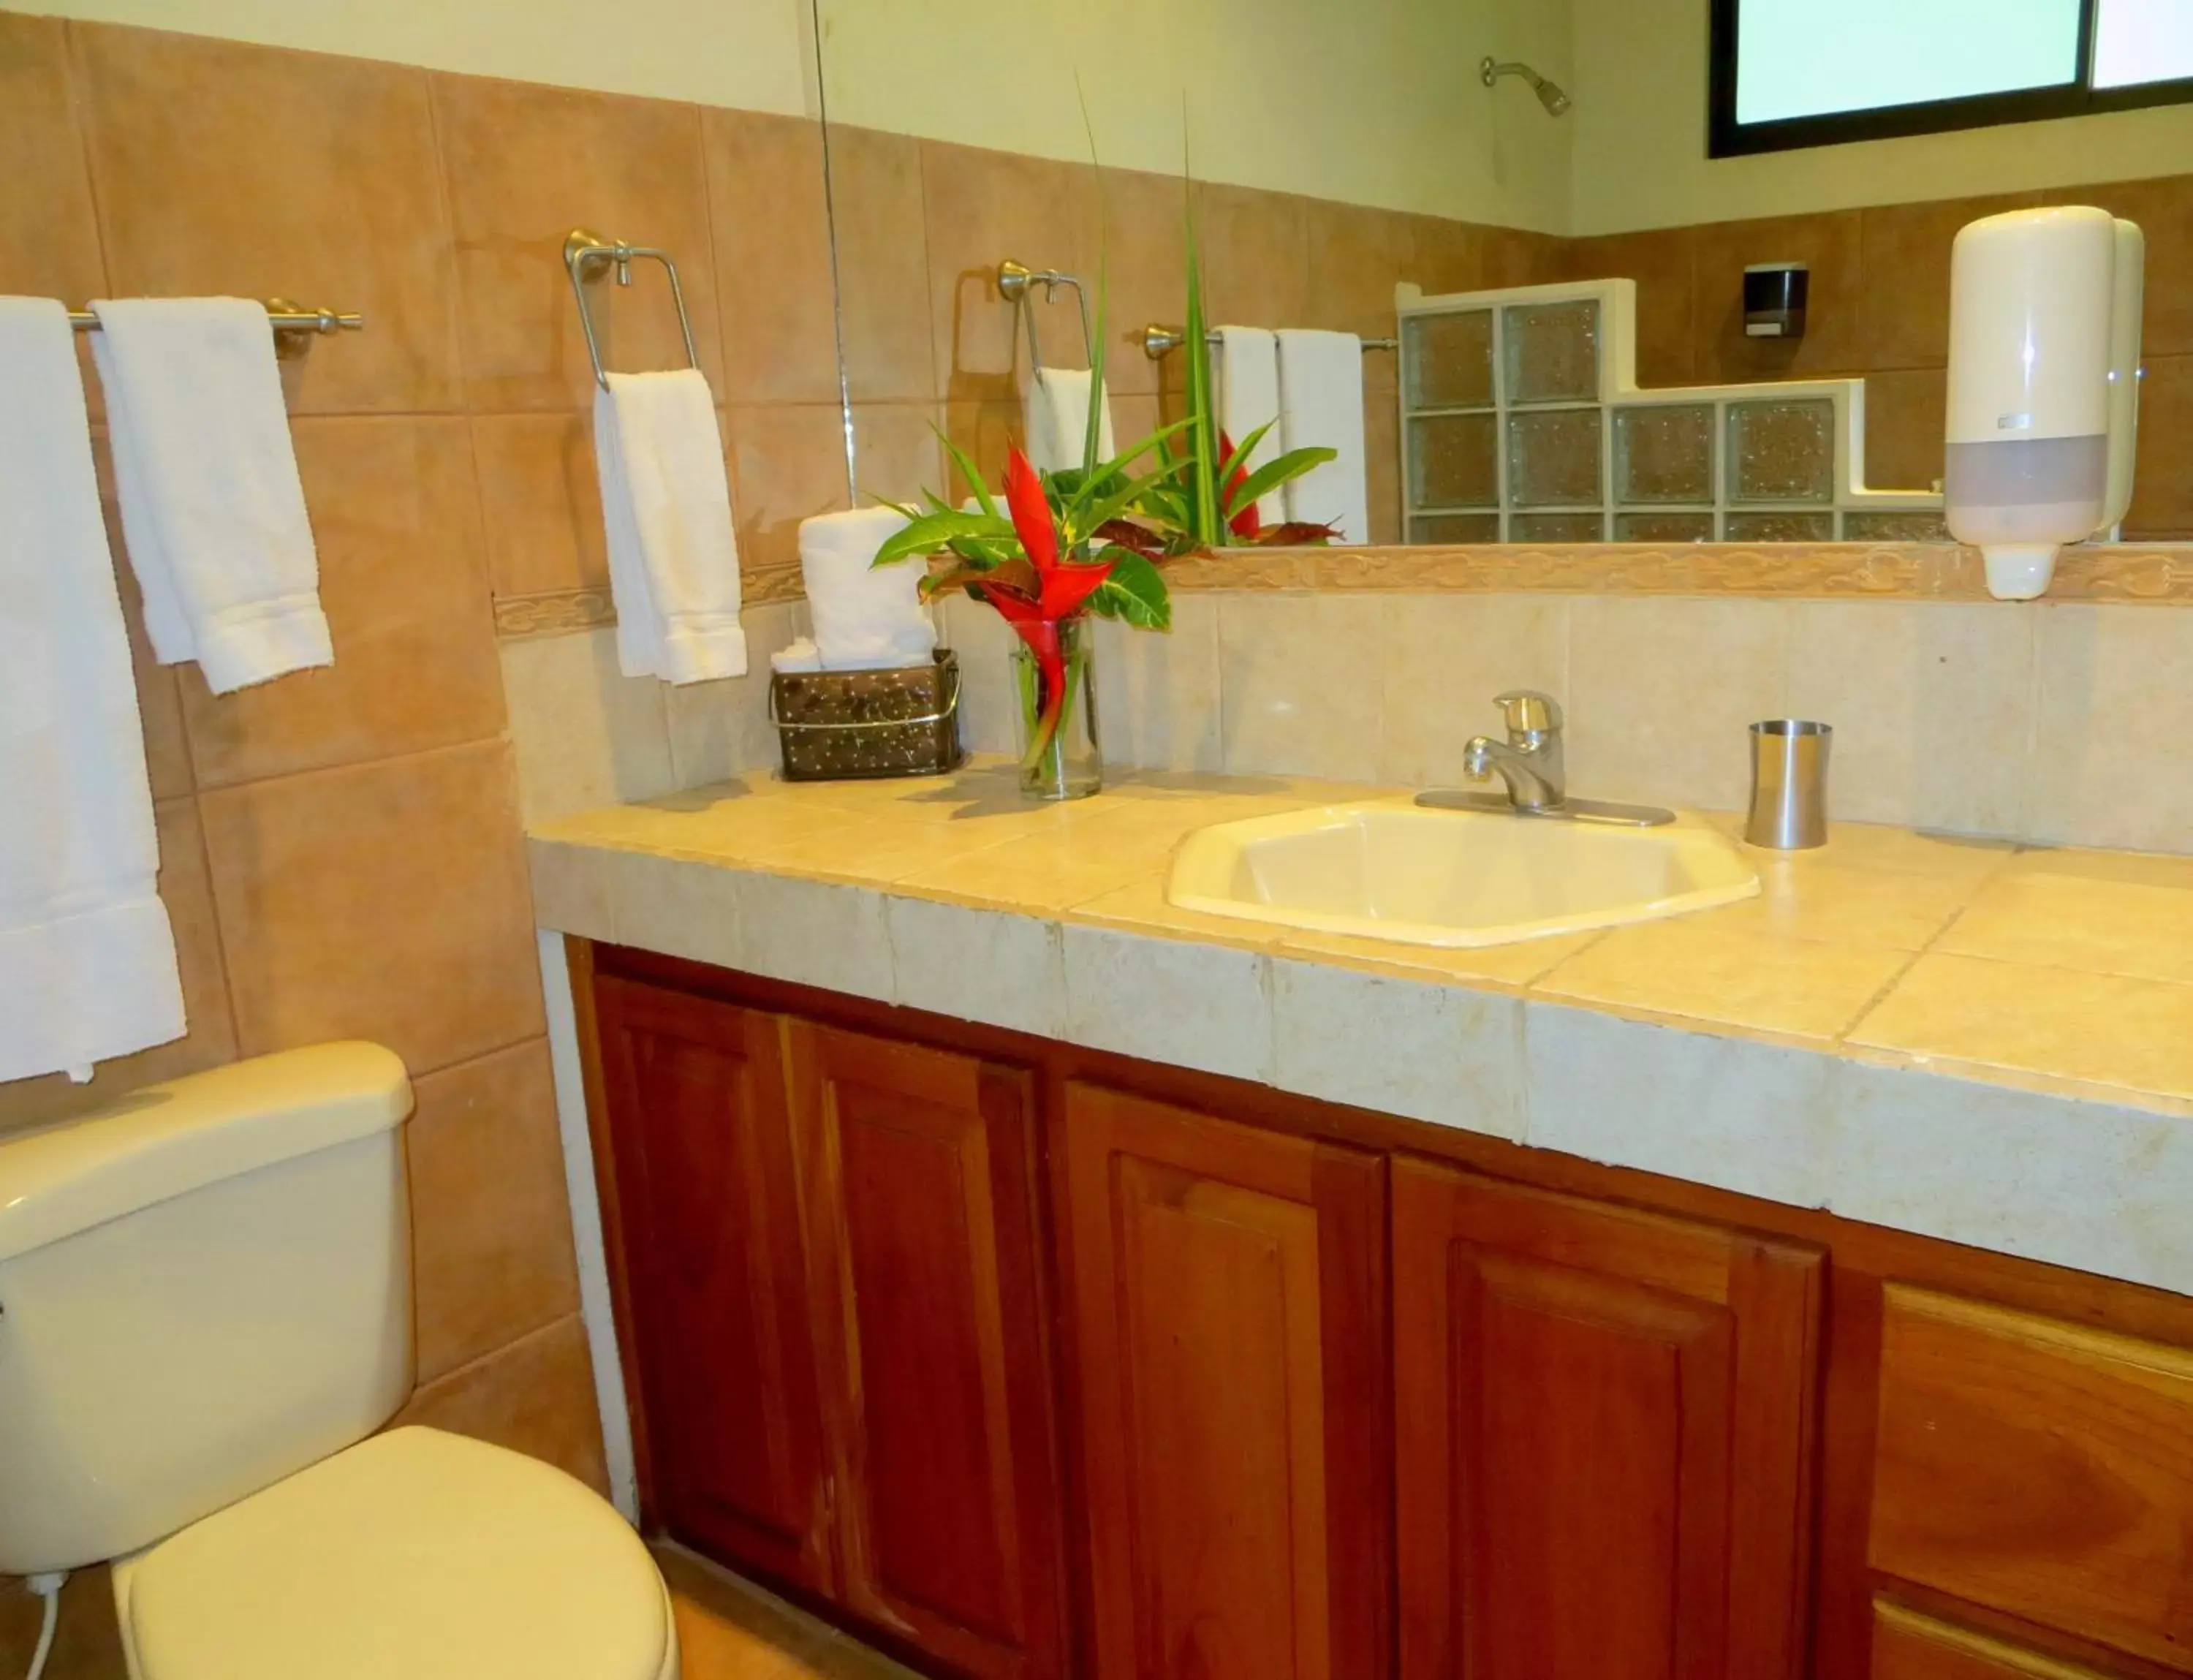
(799, 654)
(1056, 409)
(867, 618)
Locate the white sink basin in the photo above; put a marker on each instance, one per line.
(1394, 870)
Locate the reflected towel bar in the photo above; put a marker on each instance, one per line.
(1017, 280)
(283, 316)
(1162, 340)
(584, 251)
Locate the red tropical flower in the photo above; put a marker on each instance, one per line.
(1061, 588)
(1249, 521)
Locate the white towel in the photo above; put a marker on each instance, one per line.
(211, 511)
(867, 618)
(1247, 370)
(1321, 407)
(1057, 411)
(87, 959)
(666, 506)
(800, 654)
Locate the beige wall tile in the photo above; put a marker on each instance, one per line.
(571, 888)
(896, 451)
(1302, 684)
(491, 1226)
(771, 227)
(2113, 713)
(1446, 658)
(1832, 340)
(2163, 207)
(1382, 448)
(1355, 256)
(1146, 256)
(397, 522)
(1194, 1005)
(2105, 1029)
(983, 431)
(814, 935)
(1906, 419)
(384, 901)
(1662, 264)
(541, 503)
(1518, 256)
(1158, 693)
(2163, 491)
(982, 207)
(978, 966)
(1441, 1053)
(718, 730)
(159, 694)
(535, 1396)
(1716, 968)
(882, 266)
(524, 166)
(49, 235)
(2088, 919)
(1256, 254)
(584, 733)
(988, 709)
(1931, 706)
(1662, 691)
(676, 906)
(1904, 305)
(187, 892)
(788, 464)
(259, 172)
(1445, 255)
(1748, 1117)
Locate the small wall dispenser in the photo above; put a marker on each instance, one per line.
(1774, 294)
(2034, 297)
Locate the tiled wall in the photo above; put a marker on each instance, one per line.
(2062, 722)
(1880, 307)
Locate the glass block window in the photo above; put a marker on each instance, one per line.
(1552, 351)
(1781, 451)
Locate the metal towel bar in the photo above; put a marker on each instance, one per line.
(283, 316)
(1159, 341)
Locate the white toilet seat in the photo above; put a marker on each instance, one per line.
(413, 1555)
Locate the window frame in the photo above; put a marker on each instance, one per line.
(1725, 137)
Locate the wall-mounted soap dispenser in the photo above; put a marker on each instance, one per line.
(1774, 297)
(2032, 298)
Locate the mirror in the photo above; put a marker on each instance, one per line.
(1575, 324)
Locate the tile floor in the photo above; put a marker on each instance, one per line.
(729, 1628)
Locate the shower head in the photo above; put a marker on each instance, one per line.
(1550, 94)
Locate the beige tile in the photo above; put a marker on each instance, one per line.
(1663, 264)
(1146, 229)
(2089, 922)
(2113, 711)
(2160, 206)
(718, 730)
(571, 888)
(535, 1396)
(1866, 846)
(1142, 906)
(1301, 676)
(2105, 1030)
(1256, 254)
(1804, 897)
(770, 223)
(1158, 692)
(988, 710)
(814, 935)
(1830, 246)
(1446, 656)
(1520, 256)
(874, 853)
(397, 524)
(882, 266)
(1046, 874)
(1355, 255)
(1904, 303)
(2162, 497)
(210, 1041)
(1662, 691)
(788, 464)
(983, 431)
(1004, 970)
(258, 172)
(49, 235)
(1906, 419)
(1445, 255)
(584, 733)
(981, 207)
(526, 164)
(1169, 1000)
(541, 503)
(676, 906)
(384, 901)
(1744, 1116)
(490, 1219)
(897, 453)
(1931, 706)
(1499, 966)
(1434, 1052)
(1710, 967)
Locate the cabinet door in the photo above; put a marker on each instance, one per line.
(921, 1209)
(1909, 1646)
(1603, 1419)
(708, 1209)
(1229, 1353)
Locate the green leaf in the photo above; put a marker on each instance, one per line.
(968, 472)
(1135, 594)
(1274, 473)
(1092, 438)
(933, 532)
(1130, 492)
(1243, 450)
(1107, 476)
(1203, 446)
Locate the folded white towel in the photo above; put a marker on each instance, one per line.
(798, 655)
(1321, 406)
(87, 959)
(666, 507)
(1247, 370)
(211, 511)
(867, 618)
(1056, 411)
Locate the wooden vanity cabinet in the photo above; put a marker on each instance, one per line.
(1603, 1437)
(1229, 1369)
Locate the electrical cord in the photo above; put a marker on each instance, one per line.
(47, 1587)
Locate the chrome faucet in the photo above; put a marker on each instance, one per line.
(1530, 760)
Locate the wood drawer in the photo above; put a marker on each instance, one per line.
(1909, 1646)
(2039, 1468)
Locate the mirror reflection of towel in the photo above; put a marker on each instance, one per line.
(1321, 407)
(1056, 411)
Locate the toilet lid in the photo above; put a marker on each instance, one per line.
(412, 1555)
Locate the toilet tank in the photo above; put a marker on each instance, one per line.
(203, 1287)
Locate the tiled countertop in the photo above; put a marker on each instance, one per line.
(1967, 1039)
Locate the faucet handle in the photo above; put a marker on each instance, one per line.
(1528, 712)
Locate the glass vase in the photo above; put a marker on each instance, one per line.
(1064, 762)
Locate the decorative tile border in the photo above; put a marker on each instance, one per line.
(564, 612)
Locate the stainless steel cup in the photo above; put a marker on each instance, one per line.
(1789, 784)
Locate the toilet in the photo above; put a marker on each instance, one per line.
(206, 1318)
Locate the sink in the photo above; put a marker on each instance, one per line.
(1394, 871)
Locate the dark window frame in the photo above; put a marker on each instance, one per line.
(1725, 137)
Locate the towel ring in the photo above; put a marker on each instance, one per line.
(1017, 283)
(584, 252)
